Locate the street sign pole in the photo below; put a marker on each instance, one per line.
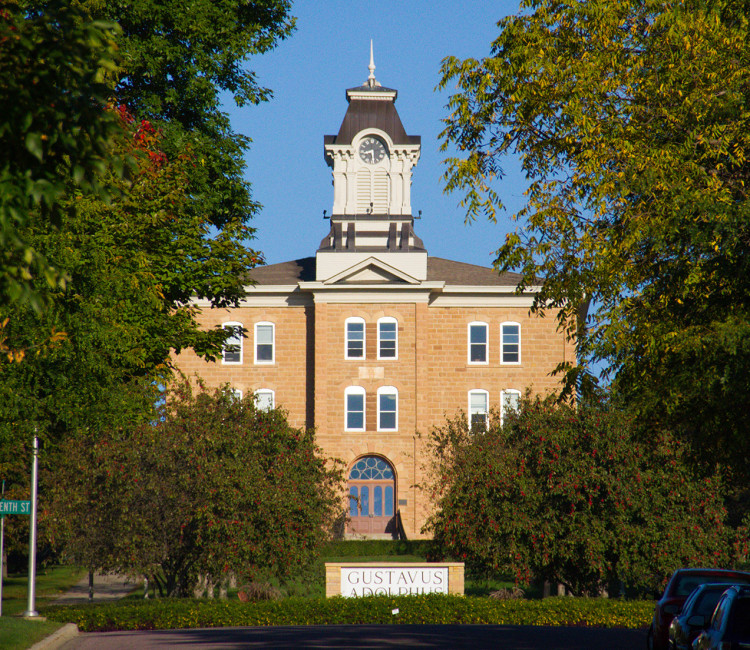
(31, 611)
(2, 531)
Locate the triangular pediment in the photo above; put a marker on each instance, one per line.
(371, 271)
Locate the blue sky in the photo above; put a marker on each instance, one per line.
(309, 74)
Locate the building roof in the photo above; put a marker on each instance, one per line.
(372, 113)
(438, 270)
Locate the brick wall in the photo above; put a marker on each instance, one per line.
(432, 374)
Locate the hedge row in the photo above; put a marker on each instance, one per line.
(433, 609)
(375, 547)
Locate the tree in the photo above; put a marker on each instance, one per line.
(54, 130)
(133, 266)
(571, 496)
(176, 61)
(214, 486)
(631, 121)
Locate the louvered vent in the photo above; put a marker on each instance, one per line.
(380, 191)
(372, 187)
(364, 191)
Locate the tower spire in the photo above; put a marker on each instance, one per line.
(371, 81)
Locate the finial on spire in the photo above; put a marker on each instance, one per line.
(371, 78)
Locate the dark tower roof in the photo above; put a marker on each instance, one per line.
(371, 106)
(364, 113)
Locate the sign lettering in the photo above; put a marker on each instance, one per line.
(393, 581)
(8, 507)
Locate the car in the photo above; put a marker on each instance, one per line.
(682, 582)
(729, 628)
(694, 615)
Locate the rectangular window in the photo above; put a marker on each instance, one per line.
(511, 343)
(264, 343)
(478, 408)
(387, 409)
(510, 400)
(232, 351)
(264, 399)
(478, 343)
(387, 339)
(355, 410)
(355, 339)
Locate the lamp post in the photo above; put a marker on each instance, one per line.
(31, 611)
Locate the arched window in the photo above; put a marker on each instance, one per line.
(510, 343)
(479, 408)
(478, 343)
(264, 343)
(510, 400)
(231, 353)
(354, 404)
(387, 408)
(387, 338)
(355, 338)
(265, 399)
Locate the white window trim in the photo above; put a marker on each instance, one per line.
(236, 393)
(267, 391)
(503, 393)
(390, 390)
(355, 390)
(486, 343)
(234, 324)
(388, 319)
(273, 343)
(355, 319)
(486, 394)
(502, 341)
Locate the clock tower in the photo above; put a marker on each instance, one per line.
(372, 159)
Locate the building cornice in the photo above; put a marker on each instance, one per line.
(434, 293)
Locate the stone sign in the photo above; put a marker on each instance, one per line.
(351, 579)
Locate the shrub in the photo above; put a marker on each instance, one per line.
(258, 591)
(569, 495)
(413, 610)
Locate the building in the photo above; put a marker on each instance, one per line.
(372, 340)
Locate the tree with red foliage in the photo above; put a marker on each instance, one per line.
(570, 495)
(215, 486)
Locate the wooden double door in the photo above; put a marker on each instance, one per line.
(372, 497)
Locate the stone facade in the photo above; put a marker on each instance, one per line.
(371, 269)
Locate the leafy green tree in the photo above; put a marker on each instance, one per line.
(632, 124)
(214, 486)
(176, 62)
(133, 266)
(54, 131)
(571, 496)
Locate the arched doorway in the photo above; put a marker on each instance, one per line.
(372, 497)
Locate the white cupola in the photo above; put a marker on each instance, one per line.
(372, 159)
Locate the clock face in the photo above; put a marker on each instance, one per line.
(371, 150)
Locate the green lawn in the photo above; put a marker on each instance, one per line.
(18, 633)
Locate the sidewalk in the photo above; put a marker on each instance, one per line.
(106, 587)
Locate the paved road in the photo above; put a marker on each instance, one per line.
(473, 637)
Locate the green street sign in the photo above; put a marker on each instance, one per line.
(15, 508)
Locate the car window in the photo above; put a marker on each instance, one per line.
(741, 617)
(706, 603)
(687, 583)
